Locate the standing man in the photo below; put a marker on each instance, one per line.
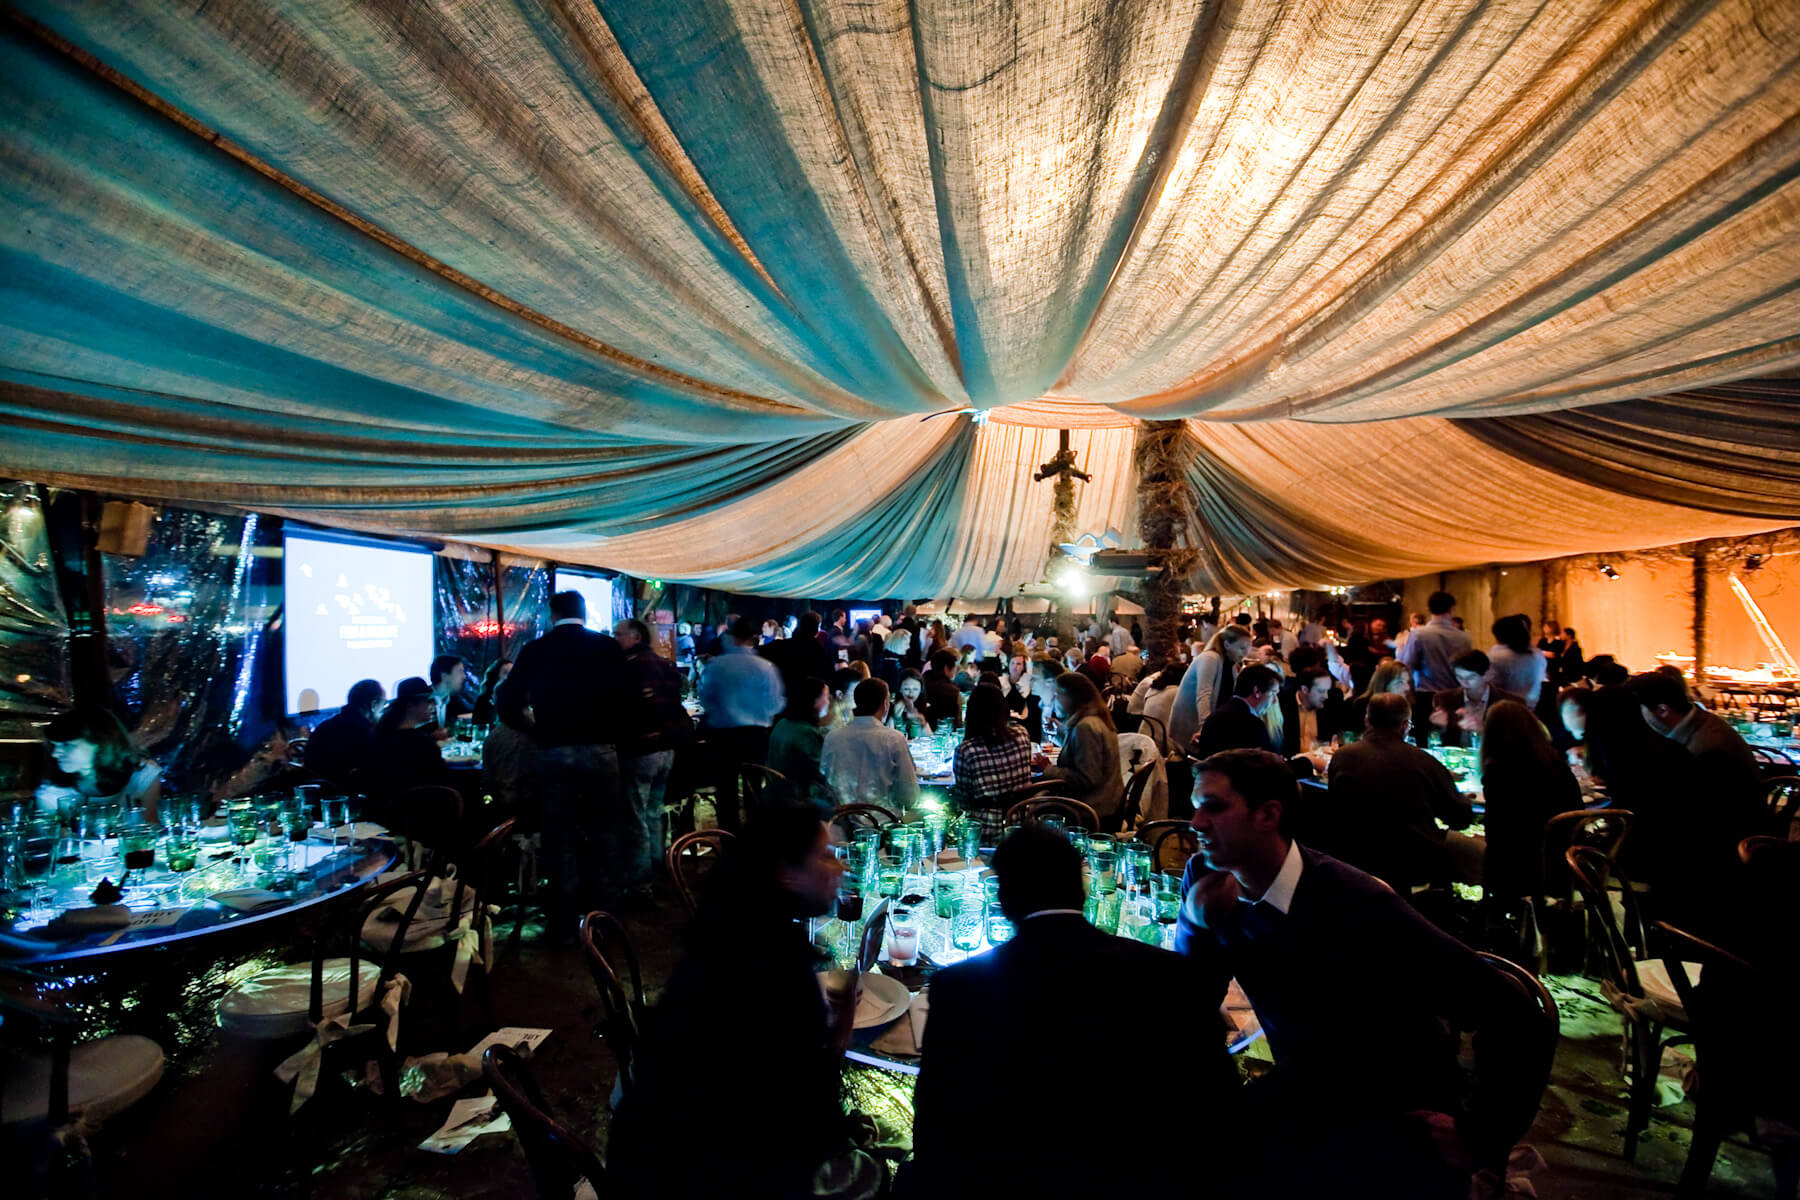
(1118, 638)
(448, 674)
(1430, 653)
(969, 635)
(656, 727)
(742, 694)
(570, 690)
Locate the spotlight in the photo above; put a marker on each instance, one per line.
(1608, 570)
(1753, 562)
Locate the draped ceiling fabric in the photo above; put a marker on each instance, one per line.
(669, 287)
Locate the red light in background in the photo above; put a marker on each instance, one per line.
(146, 610)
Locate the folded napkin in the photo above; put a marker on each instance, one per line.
(78, 922)
(904, 1037)
(248, 900)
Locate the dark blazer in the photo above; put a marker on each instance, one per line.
(1334, 718)
(340, 745)
(1386, 796)
(1021, 1042)
(576, 684)
(1231, 726)
(941, 702)
(1352, 966)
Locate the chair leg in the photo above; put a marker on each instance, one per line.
(1702, 1153)
(1644, 1055)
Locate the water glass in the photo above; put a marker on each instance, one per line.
(999, 929)
(888, 880)
(181, 849)
(946, 889)
(967, 923)
(968, 839)
(903, 935)
(100, 867)
(1103, 871)
(1168, 898)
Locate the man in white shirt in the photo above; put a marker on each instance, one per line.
(1118, 638)
(865, 762)
(969, 635)
(1285, 641)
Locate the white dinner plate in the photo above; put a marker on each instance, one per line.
(884, 999)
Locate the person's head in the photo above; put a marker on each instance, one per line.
(1169, 676)
(413, 704)
(632, 635)
(1441, 604)
(1514, 633)
(1568, 634)
(1388, 712)
(1017, 666)
(1471, 671)
(1077, 697)
(1312, 688)
(744, 631)
(1232, 642)
(684, 629)
(1240, 798)
(871, 697)
(985, 718)
(1378, 629)
(568, 606)
(1572, 706)
(89, 741)
(808, 702)
(448, 673)
(1606, 671)
(942, 661)
(366, 696)
(1621, 746)
(858, 666)
(1416, 619)
(1552, 630)
(770, 631)
(1038, 869)
(1244, 619)
(911, 685)
(1256, 686)
(1389, 676)
(1511, 734)
(1663, 699)
(838, 617)
(785, 849)
(808, 625)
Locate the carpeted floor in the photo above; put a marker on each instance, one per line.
(218, 1122)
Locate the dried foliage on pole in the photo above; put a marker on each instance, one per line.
(1164, 456)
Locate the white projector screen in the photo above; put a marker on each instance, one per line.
(353, 612)
(598, 593)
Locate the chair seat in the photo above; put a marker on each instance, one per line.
(274, 1004)
(430, 926)
(106, 1077)
(1659, 989)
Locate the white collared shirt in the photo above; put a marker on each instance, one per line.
(1054, 912)
(569, 621)
(1280, 895)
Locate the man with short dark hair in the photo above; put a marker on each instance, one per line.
(865, 762)
(343, 743)
(657, 725)
(1312, 712)
(1239, 723)
(1725, 759)
(742, 694)
(986, 1066)
(942, 701)
(1430, 653)
(1307, 936)
(570, 690)
(448, 675)
(1387, 797)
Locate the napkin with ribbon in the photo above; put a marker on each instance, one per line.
(301, 1068)
(396, 992)
(470, 941)
(906, 1035)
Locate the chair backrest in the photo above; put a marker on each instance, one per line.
(1153, 728)
(608, 948)
(1135, 787)
(1589, 868)
(851, 817)
(1773, 762)
(342, 928)
(1782, 794)
(1158, 835)
(1068, 808)
(874, 933)
(558, 1157)
(1602, 829)
(21, 1000)
(758, 785)
(1512, 1068)
(690, 855)
(430, 814)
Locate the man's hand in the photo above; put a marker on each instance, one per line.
(1214, 897)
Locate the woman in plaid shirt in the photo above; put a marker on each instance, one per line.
(993, 762)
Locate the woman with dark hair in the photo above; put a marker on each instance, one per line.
(799, 738)
(993, 761)
(96, 761)
(1159, 698)
(1551, 647)
(1089, 762)
(748, 954)
(405, 754)
(1514, 665)
(497, 671)
(1571, 666)
(1524, 782)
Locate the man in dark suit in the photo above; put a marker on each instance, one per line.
(1387, 797)
(344, 743)
(1351, 986)
(570, 690)
(1022, 1041)
(942, 702)
(1312, 711)
(1238, 724)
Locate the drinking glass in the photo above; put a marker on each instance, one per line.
(1168, 898)
(990, 891)
(849, 898)
(967, 923)
(102, 867)
(138, 848)
(888, 880)
(245, 826)
(1103, 865)
(181, 849)
(968, 839)
(1107, 908)
(1054, 825)
(946, 889)
(903, 935)
(999, 929)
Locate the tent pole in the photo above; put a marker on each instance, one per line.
(1702, 557)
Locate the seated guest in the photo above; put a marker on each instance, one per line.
(1312, 712)
(343, 743)
(1727, 766)
(1514, 665)
(485, 713)
(1208, 682)
(1089, 762)
(867, 763)
(1023, 708)
(448, 675)
(1474, 676)
(993, 761)
(1309, 938)
(798, 741)
(1241, 722)
(1387, 797)
(1160, 690)
(1524, 782)
(943, 701)
(985, 1065)
(968, 668)
(776, 873)
(908, 713)
(406, 751)
(1603, 670)
(1098, 669)
(1388, 676)
(96, 761)
(1128, 665)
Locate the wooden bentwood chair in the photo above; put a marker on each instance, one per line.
(690, 857)
(613, 961)
(560, 1160)
(1068, 808)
